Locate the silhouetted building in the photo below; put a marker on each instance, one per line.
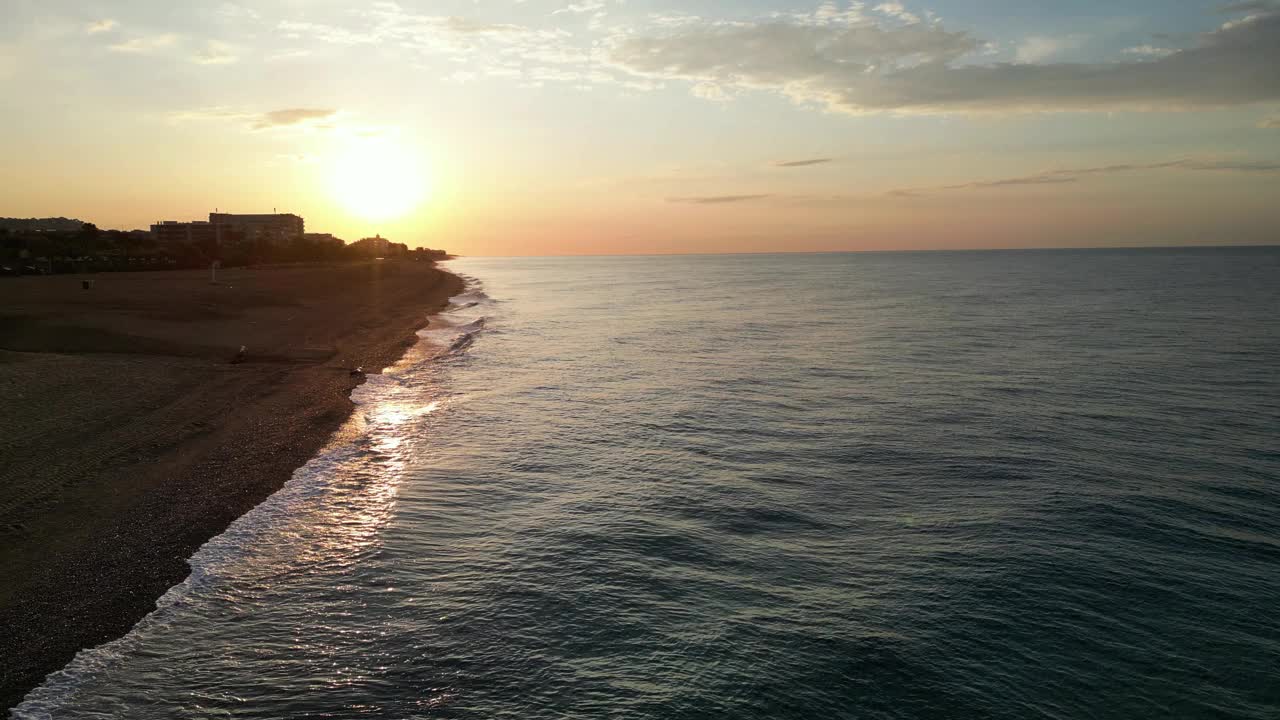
(323, 239)
(172, 232)
(378, 246)
(277, 226)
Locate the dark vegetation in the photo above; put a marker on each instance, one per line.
(40, 246)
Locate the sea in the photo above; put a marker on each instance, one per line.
(1023, 484)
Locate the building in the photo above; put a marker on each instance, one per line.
(376, 245)
(172, 232)
(323, 239)
(276, 226)
(379, 246)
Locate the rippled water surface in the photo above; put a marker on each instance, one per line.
(941, 485)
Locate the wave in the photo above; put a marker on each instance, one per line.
(316, 485)
(210, 564)
(471, 296)
(462, 343)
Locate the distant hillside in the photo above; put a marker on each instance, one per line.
(58, 224)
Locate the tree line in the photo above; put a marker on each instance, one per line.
(31, 247)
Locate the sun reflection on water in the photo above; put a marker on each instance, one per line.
(327, 521)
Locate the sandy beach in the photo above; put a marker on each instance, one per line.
(131, 431)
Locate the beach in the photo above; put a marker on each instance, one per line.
(133, 428)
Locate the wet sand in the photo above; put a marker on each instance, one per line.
(128, 436)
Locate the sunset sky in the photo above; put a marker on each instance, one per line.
(514, 127)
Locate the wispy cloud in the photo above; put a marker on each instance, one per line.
(710, 91)
(145, 44)
(859, 67)
(716, 199)
(488, 48)
(528, 55)
(290, 116)
(287, 117)
(1039, 48)
(1149, 51)
(1250, 6)
(101, 26)
(897, 10)
(215, 53)
(801, 163)
(586, 6)
(211, 113)
(1070, 175)
(234, 13)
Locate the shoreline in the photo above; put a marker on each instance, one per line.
(136, 431)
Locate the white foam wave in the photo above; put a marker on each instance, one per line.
(380, 407)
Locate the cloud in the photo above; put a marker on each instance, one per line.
(1070, 175)
(801, 163)
(1048, 178)
(145, 44)
(1256, 166)
(101, 26)
(1250, 6)
(585, 6)
(387, 22)
(858, 67)
(1271, 122)
(1149, 51)
(211, 113)
(287, 117)
(716, 199)
(1039, 48)
(234, 13)
(896, 10)
(529, 54)
(215, 53)
(466, 26)
(300, 158)
(290, 116)
(710, 91)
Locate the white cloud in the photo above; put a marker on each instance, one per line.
(711, 91)
(291, 116)
(145, 44)
(488, 49)
(211, 113)
(898, 11)
(101, 26)
(917, 68)
(215, 53)
(293, 54)
(1039, 48)
(283, 118)
(233, 12)
(585, 6)
(1071, 175)
(1149, 51)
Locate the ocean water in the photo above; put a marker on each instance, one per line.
(930, 485)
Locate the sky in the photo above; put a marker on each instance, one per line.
(542, 127)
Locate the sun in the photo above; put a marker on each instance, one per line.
(379, 179)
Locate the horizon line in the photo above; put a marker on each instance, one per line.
(1205, 246)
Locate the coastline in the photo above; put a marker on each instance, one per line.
(131, 438)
